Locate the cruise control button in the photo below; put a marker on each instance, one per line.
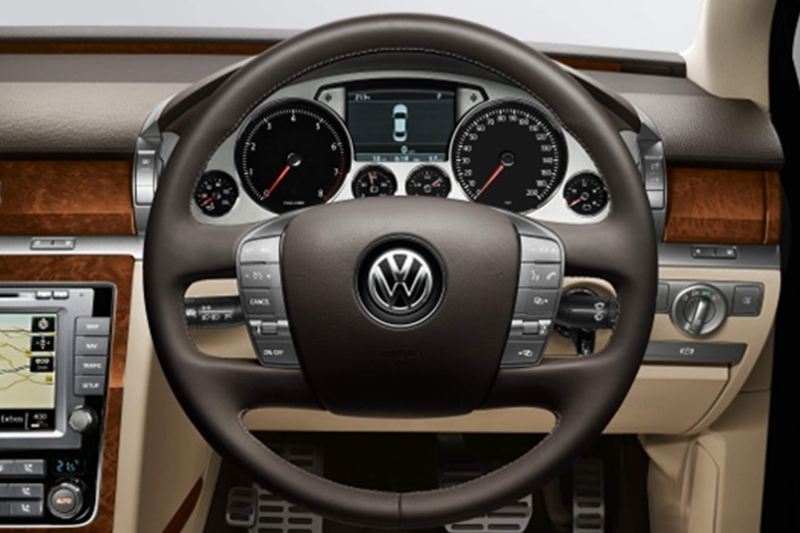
(540, 250)
(90, 385)
(539, 276)
(261, 251)
(280, 353)
(259, 276)
(264, 302)
(538, 303)
(522, 353)
(91, 365)
(89, 325)
(91, 345)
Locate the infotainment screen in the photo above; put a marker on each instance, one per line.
(27, 371)
(401, 124)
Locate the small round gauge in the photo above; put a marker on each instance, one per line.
(294, 154)
(215, 193)
(374, 180)
(586, 194)
(428, 180)
(509, 155)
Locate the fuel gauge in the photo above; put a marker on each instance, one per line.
(428, 180)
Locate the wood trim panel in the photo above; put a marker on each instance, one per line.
(49, 197)
(108, 269)
(185, 510)
(212, 48)
(723, 206)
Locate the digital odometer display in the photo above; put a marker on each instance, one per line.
(401, 124)
(508, 154)
(28, 344)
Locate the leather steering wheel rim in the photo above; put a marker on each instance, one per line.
(584, 393)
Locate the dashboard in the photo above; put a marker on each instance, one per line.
(404, 133)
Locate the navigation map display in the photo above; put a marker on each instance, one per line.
(28, 347)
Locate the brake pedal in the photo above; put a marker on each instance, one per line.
(588, 497)
(269, 513)
(512, 518)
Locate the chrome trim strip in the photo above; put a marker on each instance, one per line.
(132, 246)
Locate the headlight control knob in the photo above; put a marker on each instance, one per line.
(699, 310)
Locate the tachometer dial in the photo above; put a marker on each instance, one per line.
(295, 154)
(508, 154)
(586, 194)
(428, 180)
(215, 193)
(374, 181)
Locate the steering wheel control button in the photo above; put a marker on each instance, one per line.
(65, 500)
(539, 250)
(536, 303)
(260, 276)
(264, 302)
(400, 284)
(699, 310)
(537, 276)
(260, 251)
(523, 353)
(277, 352)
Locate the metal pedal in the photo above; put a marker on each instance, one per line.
(271, 514)
(588, 497)
(512, 518)
(240, 510)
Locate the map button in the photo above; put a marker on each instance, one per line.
(91, 345)
(90, 385)
(89, 325)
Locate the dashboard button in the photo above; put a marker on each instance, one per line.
(89, 325)
(537, 276)
(65, 500)
(29, 468)
(747, 300)
(25, 491)
(91, 345)
(90, 385)
(662, 298)
(7, 468)
(259, 276)
(27, 509)
(656, 199)
(91, 365)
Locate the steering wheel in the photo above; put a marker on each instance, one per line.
(400, 307)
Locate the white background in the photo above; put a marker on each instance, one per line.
(667, 25)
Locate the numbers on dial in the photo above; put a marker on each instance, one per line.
(428, 180)
(374, 180)
(586, 194)
(216, 193)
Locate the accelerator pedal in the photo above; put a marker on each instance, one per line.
(513, 518)
(269, 513)
(588, 497)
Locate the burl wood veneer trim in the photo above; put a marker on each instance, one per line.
(85, 269)
(723, 206)
(44, 197)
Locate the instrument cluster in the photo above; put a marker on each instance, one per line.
(319, 142)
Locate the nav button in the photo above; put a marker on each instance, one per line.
(91, 345)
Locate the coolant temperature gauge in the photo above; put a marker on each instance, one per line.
(215, 193)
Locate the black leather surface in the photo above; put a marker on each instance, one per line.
(584, 393)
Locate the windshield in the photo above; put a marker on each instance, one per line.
(633, 24)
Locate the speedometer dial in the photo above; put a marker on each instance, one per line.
(508, 154)
(295, 154)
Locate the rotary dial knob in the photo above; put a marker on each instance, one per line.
(699, 310)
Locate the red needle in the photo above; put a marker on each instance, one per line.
(493, 177)
(282, 175)
(576, 201)
(207, 201)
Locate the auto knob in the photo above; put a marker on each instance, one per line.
(699, 310)
(65, 500)
(82, 420)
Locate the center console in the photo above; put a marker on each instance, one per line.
(54, 353)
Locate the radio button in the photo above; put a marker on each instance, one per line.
(91, 365)
(90, 385)
(91, 345)
(88, 325)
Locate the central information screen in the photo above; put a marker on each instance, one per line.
(401, 124)
(27, 371)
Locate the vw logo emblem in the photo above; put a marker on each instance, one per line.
(401, 286)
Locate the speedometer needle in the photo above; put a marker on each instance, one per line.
(497, 172)
(282, 175)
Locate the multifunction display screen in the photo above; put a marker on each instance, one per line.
(27, 371)
(397, 124)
